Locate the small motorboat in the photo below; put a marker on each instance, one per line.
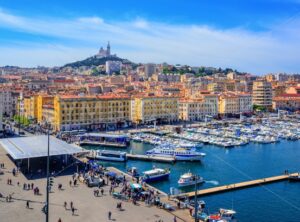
(189, 179)
(156, 174)
(227, 214)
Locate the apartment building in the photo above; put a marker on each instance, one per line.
(9, 102)
(149, 108)
(262, 93)
(290, 102)
(30, 106)
(91, 112)
(198, 108)
(43, 100)
(234, 103)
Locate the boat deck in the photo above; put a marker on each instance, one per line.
(236, 186)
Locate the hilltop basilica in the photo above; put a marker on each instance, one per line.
(105, 53)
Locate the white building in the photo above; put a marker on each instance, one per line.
(198, 109)
(150, 69)
(112, 66)
(9, 102)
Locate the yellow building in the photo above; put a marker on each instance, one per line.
(216, 87)
(43, 100)
(234, 103)
(91, 112)
(148, 109)
(30, 107)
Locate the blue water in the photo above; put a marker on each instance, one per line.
(273, 202)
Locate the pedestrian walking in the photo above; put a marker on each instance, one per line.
(102, 191)
(71, 204)
(73, 210)
(65, 205)
(70, 183)
(109, 215)
(27, 204)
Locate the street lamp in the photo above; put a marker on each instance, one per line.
(19, 110)
(196, 177)
(48, 182)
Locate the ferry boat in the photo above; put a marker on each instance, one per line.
(109, 155)
(155, 174)
(189, 179)
(104, 139)
(180, 154)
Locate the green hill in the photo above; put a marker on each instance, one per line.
(94, 61)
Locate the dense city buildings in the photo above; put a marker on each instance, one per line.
(117, 93)
(113, 67)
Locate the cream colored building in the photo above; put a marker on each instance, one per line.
(155, 108)
(234, 103)
(198, 108)
(262, 93)
(91, 112)
(290, 102)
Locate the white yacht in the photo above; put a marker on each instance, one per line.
(180, 154)
(189, 179)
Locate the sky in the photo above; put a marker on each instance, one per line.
(255, 36)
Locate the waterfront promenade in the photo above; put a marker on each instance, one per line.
(88, 207)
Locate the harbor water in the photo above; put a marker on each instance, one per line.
(279, 201)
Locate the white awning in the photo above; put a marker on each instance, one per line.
(36, 146)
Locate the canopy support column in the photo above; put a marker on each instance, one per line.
(28, 165)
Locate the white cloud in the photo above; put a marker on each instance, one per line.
(140, 23)
(145, 41)
(91, 20)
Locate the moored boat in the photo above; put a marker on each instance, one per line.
(180, 154)
(189, 179)
(109, 155)
(295, 177)
(155, 174)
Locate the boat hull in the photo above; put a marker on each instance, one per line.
(191, 183)
(179, 157)
(94, 143)
(115, 159)
(156, 178)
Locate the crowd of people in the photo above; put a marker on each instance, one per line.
(120, 187)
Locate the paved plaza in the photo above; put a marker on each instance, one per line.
(88, 207)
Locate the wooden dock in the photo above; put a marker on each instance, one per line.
(236, 186)
(150, 158)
